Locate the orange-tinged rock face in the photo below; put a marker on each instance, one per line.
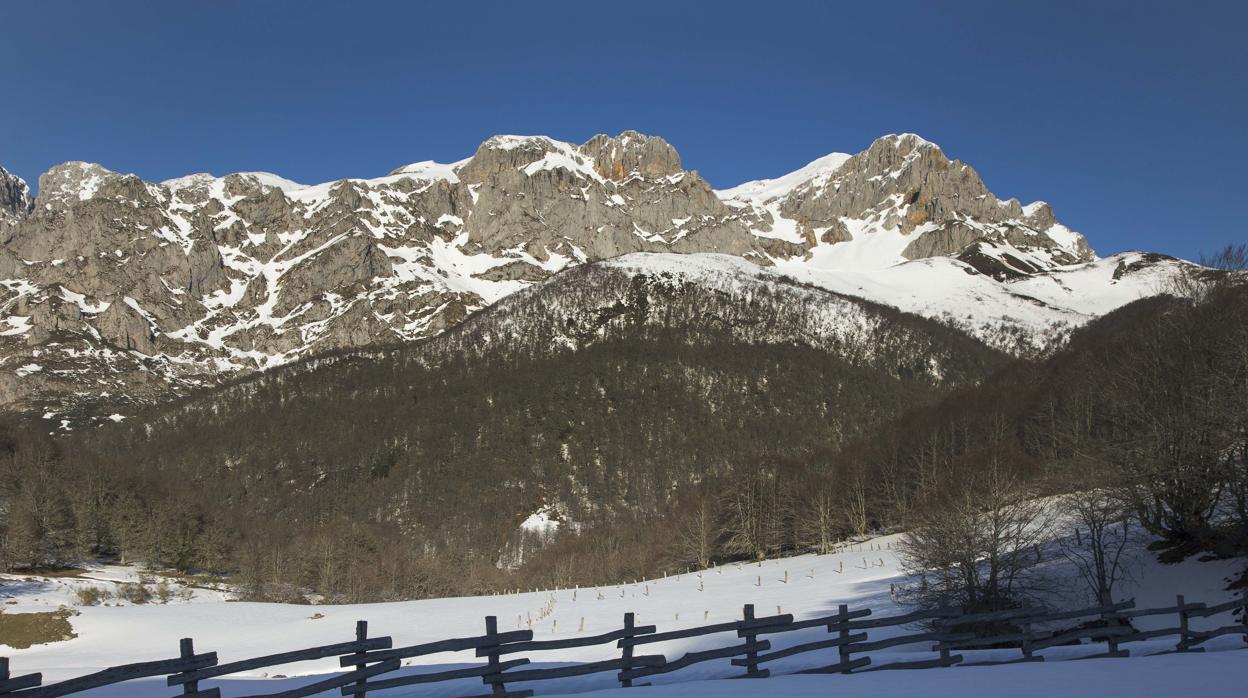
(618, 157)
(917, 215)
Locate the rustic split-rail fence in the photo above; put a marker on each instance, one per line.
(1027, 630)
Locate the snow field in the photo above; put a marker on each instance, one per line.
(806, 586)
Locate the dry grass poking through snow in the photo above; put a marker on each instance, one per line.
(21, 630)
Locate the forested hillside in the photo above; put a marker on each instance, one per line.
(598, 400)
(659, 423)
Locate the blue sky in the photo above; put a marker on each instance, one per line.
(1128, 117)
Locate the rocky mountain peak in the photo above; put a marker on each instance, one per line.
(428, 169)
(1038, 215)
(905, 140)
(906, 187)
(16, 201)
(632, 154)
(499, 154)
(73, 181)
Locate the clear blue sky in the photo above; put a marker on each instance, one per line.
(1129, 117)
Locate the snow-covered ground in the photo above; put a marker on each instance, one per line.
(860, 576)
(106, 585)
(1214, 674)
(1039, 308)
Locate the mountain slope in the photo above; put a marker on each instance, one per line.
(618, 397)
(595, 397)
(116, 292)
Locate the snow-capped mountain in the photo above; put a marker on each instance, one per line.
(114, 289)
(899, 200)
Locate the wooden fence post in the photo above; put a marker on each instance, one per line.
(9, 684)
(945, 655)
(1025, 626)
(751, 647)
(842, 612)
(627, 653)
(186, 650)
(1111, 641)
(495, 676)
(1244, 618)
(1184, 636)
(1111, 622)
(361, 634)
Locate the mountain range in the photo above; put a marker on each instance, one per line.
(116, 293)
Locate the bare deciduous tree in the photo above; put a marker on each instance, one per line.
(696, 529)
(857, 509)
(975, 541)
(1218, 270)
(1102, 533)
(757, 511)
(819, 514)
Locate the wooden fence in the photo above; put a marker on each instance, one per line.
(1027, 630)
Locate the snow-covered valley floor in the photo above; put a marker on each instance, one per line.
(859, 576)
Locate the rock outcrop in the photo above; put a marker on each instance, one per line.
(905, 185)
(15, 200)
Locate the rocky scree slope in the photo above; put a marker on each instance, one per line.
(116, 291)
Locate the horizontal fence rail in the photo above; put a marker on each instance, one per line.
(945, 632)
